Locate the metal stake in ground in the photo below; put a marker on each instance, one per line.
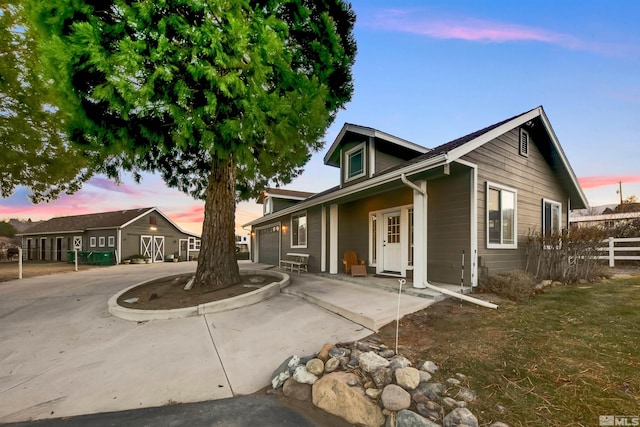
(402, 282)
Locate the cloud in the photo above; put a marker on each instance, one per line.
(487, 31)
(106, 184)
(194, 214)
(607, 180)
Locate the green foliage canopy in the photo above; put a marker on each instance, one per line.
(180, 87)
(7, 229)
(34, 149)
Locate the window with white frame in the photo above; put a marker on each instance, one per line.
(194, 244)
(101, 241)
(92, 242)
(551, 218)
(111, 241)
(299, 230)
(502, 219)
(267, 206)
(355, 163)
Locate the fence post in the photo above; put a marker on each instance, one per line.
(19, 262)
(612, 252)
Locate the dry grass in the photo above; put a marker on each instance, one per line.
(562, 358)
(9, 269)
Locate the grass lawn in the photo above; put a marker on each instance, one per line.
(563, 358)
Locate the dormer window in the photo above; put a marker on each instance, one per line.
(267, 206)
(355, 163)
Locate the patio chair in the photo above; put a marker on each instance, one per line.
(351, 260)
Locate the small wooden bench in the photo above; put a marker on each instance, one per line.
(295, 262)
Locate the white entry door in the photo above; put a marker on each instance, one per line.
(391, 245)
(158, 248)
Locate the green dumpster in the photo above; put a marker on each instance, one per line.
(102, 258)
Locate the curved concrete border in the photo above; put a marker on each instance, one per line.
(253, 297)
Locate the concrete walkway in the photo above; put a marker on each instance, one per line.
(62, 354)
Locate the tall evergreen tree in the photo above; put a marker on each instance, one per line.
(34, 150)
(221, 97)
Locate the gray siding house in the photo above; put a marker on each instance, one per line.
(415, 212)
(144, 231)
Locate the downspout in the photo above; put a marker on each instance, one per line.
(410, 184)
(463, 297)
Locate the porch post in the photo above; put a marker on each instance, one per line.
(420, 235)
(333, 239)
(323, 239)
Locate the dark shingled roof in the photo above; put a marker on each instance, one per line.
(83, 222)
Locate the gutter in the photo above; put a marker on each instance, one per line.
(405, 181)
(460, 296)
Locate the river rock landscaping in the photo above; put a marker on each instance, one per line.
(368, 384)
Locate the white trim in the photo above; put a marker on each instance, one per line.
(257, 240)
(372, 156)
(154, 209)
(501, 187)
(323, 238)
(111, 241)
(93, 242)
(420, 237)
(478, 142)
(380, 230)
(306, 230)
(149, 246)
(333, 239)
(371, 261)
(347, 169)
(102, 241)
(119, 246)
(372, 133)
(158, 249)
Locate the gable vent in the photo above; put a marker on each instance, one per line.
(524, 143)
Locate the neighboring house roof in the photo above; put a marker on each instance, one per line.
(95, 221)
(281, 193)
(606, 217)
(452, 151)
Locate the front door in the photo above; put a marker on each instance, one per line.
(391, 246)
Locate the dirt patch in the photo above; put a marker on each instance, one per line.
(168, 292)
(9, 269)
(436, 330)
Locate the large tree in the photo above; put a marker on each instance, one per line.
(221, 97)
(34, 150)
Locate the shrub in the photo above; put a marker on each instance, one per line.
(566, 257)
(516, 285)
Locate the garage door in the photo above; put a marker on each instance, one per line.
(269, 245)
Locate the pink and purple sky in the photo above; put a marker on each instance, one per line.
(431, 71)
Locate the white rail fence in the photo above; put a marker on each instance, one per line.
(621, 249)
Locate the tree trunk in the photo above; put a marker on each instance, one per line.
(217, 265)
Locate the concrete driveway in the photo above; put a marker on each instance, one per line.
(62, 354)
